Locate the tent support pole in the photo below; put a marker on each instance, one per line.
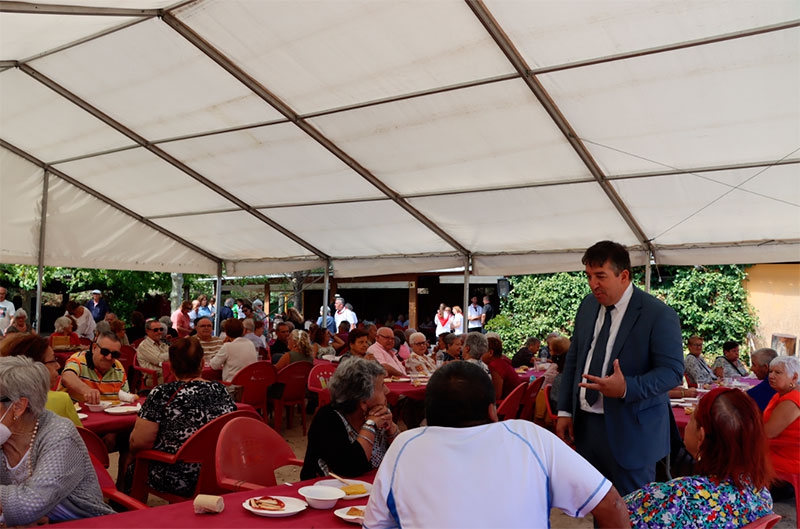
(220, 301)
(465, 310)
(325, 294)
(647, 273)
(42, 232)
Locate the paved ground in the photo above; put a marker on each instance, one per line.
(558, 520)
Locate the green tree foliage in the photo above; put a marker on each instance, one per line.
(538, 305)
(710, 302)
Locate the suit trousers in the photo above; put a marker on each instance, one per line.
(591, 442)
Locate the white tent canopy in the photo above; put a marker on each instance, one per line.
(397, 136)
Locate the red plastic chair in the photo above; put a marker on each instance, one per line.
(139, 381)
(255, 379)
(529, 399)
(765, 522)
(86, 342)
(99, 456)
(200, 447)
(248, 452)
(294, 378)
(166, 371)
(318, 382)
(263, 354)
(138, 342)
(794, 479)
(509, 408)
(550, 412)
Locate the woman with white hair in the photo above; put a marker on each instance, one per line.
(782, 414)
(45, 468)
(19, 323)
(64, 338)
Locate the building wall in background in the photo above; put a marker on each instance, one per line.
(774, 290)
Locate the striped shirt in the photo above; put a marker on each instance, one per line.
(108, 385)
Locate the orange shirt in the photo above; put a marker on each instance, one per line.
(785, 449)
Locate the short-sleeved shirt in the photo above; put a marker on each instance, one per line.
(180, 409)
(696, 501)
(697, 371)
(503, 367)
(107, 384)
(784, 450)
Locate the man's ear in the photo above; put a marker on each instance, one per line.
(493, 413)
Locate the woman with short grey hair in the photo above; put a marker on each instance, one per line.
(351, 435)
(45, 468)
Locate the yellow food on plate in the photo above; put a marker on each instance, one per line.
(352, 490)
(267, 503)
(355, 511)
(688, 410)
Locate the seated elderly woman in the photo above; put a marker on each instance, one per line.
(504, 376)
(729, 365)
(19, 323)
(727, 440)
(453, 344)
(45, 468)
(782, 414)
(63, 337)
(299, 350)
(37, 349)
(174, 411)
(351, 435)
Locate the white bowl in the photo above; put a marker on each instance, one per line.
(321, 497)
(98, 407)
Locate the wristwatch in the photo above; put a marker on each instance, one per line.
(371, 423)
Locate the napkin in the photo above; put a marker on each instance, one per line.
(124, 396)
(205, 503)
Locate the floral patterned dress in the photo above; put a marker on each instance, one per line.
(180, 409)
(697, 501)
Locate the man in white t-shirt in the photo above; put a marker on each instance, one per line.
(344, 314)
(6, 310)
(467, 470)
(474, 315)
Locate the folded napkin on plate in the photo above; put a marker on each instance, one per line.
(205, 503)
(124, 396)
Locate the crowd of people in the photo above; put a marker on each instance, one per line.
(610, 383)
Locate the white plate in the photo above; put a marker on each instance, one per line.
(401, 379)
(679, 404)
(330, 358)
(122, 410)
(293, 506)
(335, 483)
(342, 513)
(83, 416)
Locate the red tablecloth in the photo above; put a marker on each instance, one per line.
(408, 389)
(210, 373)
(234, 515)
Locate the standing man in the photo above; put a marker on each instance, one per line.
(6, 310)
(474, 316)
(488, 312)
(86, 323)
(97, 306)
(180, 319)
(627, 345)
(330, 323)
(344, 314)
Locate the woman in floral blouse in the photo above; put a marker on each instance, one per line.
(726, 437)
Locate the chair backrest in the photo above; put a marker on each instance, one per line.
(96, 447)
(318, 382)
(85, 341)
(200, 447)
(765, 522)
(295, 380)
(548, 389)
(529, 399)
(136, 343)
(263, 354)
(255, 379)
(247, 454)
(509, 408)
(127, 356)
(167, 372)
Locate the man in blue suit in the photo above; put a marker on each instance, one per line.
(628, 347)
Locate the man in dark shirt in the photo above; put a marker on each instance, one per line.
(528, 354)
(488, 313)
(763, 392)
(97, 306)
(281, 344)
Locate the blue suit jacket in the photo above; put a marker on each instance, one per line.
(648, 346)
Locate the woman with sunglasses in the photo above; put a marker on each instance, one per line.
(38, 349)
(45, 470)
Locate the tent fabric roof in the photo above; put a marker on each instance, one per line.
(397, 136)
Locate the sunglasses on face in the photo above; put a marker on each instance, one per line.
(106, 352)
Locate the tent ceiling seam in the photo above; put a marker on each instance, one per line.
(119, 127)
(753, 32)
(54, 9)
(106, 200)
(488, 21)
(257, 88)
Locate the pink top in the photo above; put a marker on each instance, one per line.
(181, 322)
(384, 357)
